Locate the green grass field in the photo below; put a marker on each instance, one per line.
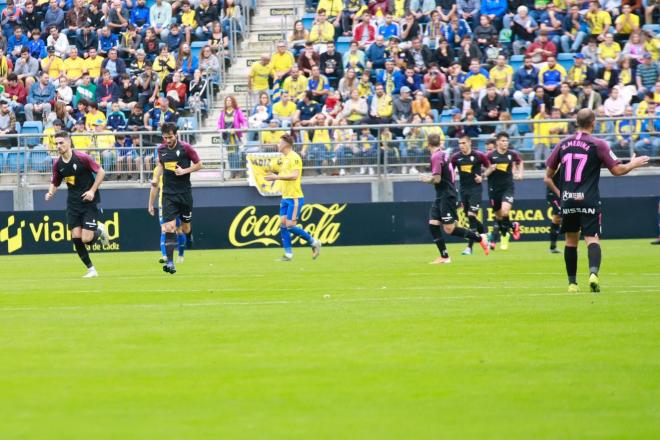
(366, 342)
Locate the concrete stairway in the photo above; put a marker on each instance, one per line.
(266, 28)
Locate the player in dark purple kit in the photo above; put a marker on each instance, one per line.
(468, 162)
(176, 161)
(443, 210)
(505, 165)
(581, 157)
(554, 202)
(83, 177)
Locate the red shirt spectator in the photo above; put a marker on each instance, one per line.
(364, 33)
(541, 49)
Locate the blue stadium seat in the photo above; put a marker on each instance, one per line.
(40, 160)
(3, 159)
(343, 44)
(566, 60)
(446, 116)
(32, 127)
(196, 48)
(480, 142)
(15, 160)
(655, 28)
(308, 20)
(436, 115)
(516, 61)
(528, 143)
(520, 114)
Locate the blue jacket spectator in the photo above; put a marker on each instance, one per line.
(117, 122)
(37, 48)
(388, 30)
(107, 42)
(114, 64)
(107, 92)
(13, 42)
(494, 7)
(140, 16)
(401, 79)
(463, 30)
(188, 65)
(40, 94)
(173, 41)
(525, 79)
(376, 54)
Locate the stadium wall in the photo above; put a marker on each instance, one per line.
(333, 223)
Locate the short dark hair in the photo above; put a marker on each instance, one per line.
(585, 118)
(63, 134)
(502, 134)
(465, 136)
(287, 138)
(434, 140)
(169, 128)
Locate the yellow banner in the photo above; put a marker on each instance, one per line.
(258, 166)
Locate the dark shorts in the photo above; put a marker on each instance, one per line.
(499, 195)
(444, 209)
(554, 203)
(83, 216)
(471, 200)
(177, 205)
(589, 224)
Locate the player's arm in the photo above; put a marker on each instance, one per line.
(547, 179)
(89, 163)
(489, 170)
(433, 179)
(194, 159)
(485, 164)
(436, 171)
(293, 175)
(635, 162)
(55, 182)
(153, 192)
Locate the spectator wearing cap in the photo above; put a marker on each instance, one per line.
(551, 76)
(75, 20)
(332, 64)
(54, 16)
(389, 28)
(375, 54)
(59, 41)
(579, 73)
(490, 107)
(599, 21)
(139, 16)
(647, 75)
(26, 68)
(402, 107)
(87, 40)
(541, 49)
(39, 98)
(524, 82)
(52, 64)
(160, 18)
(575, 30)
(456, 30)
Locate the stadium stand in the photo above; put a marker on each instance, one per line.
(116, 66)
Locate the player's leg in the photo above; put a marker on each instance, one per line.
(449, 222)
(284, 232)
(570, 226)
(472, 211)
(505, 224)
(170, 213)
(590, 224)
(436, 233)
(81, 248)
(163, 251)
(293, 214)
(496, 205)
(181, 238)
(554, 233)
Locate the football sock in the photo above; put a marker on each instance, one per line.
(570, 258)
(554, 234)
(300, 232)
(170, 244)
(286, 239)
(82, 252)
(505, 225)
(593, 250)
(436, 233)
(163, 251)
(496, 232)
(181, 239)
(466, 233)
(189, 239)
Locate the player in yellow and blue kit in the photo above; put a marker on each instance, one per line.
(290, 174)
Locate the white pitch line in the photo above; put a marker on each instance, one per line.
(335, 301)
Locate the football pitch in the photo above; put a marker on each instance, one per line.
(365, 342)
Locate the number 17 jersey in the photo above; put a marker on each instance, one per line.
(581, 157)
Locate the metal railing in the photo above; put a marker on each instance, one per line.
(352, 150)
